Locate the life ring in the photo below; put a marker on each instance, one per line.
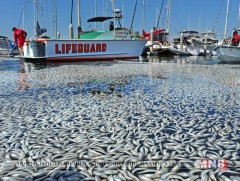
(165, 44)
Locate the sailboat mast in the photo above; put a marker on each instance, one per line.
(238, 16)
(106, 7)
(226, 23)
(35, 7)
(95, 13)
(54, 10)
(168, 16)
(56, 25)
(113, 2)
(105, 12)
(79, 19)
(113, 14)
(143, 17)
(71, 26)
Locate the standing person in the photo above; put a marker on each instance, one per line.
(111, 26)
(19, 38)
(236, 38)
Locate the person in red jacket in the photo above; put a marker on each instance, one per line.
(236, 38)
(19, 38)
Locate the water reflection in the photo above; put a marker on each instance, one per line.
(84, 78)
(14, 64)
(182, 59)
(26, 69)
(23, 83)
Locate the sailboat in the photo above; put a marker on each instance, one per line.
(110, 44)
(228, 51)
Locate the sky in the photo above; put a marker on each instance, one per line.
(199, 15)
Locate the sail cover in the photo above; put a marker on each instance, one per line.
(40, 30)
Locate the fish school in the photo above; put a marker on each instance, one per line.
(80, 48)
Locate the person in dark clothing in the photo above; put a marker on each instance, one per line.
(111, 26)
(19, 38)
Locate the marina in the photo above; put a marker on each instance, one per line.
(129, 97)
(169, 118)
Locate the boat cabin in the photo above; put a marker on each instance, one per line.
(3, 42)
(210, 37)
(113, 32)
(187, 35)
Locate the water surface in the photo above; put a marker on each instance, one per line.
(180, 110)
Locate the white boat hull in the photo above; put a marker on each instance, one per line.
(177, 50)
(193, 50)
(228, 53)
(4, 51)
(8, 52)
(57, 50)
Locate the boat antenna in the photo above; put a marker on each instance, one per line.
(71, 26)
(71, 11)
(133, 16)
(160, 14)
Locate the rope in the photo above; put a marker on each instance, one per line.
(218, 16)
(133, 15)
(20, 18)
(160, 14)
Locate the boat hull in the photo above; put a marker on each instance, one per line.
(177, 50)
(57, 50)
(4, 51)
(229, 54)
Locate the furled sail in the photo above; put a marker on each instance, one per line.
(39, 30)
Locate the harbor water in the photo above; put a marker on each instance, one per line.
(168, 118)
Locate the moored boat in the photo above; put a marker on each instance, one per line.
(7, 47)
(207, 42)
(228, 54)
(229, 50)
(182, 45)
(94, 45)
